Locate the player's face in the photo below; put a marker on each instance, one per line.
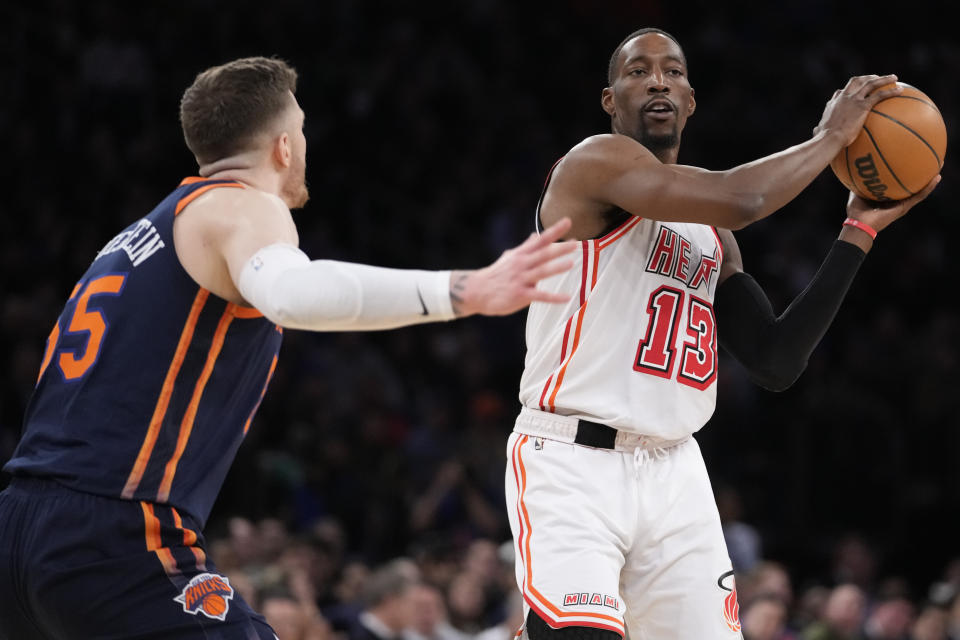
(294, 189)
(651, 97)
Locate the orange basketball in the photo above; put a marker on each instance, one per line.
(214, 605)
(898, 151)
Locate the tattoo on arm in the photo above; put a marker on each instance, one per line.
(458, 284)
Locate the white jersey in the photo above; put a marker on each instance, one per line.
(636, 346)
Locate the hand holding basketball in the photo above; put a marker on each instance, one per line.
(879, 215)
(899, 148)
(848, 107)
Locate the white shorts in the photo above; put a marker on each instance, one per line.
(628, 541)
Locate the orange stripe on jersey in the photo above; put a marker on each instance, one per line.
(618, 233)
(266, 383)
(202, 190)
(160, 411)
(587, 264)
(555, 615)
(154, 543)
(192, 180)
(186, 425)
(719, 245)
(244, 313)
(190, 540)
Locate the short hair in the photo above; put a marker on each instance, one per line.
(227, 106)
(389, 581)
(639, 32)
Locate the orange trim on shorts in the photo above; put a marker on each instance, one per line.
(154, 543)
(186, 425)
(556, 615)
(163, 402)
(183, 202)
(190, 540)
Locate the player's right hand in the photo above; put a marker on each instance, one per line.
(879, 215)
(510, 283)
(848, 108)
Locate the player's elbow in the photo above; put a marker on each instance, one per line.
(748, 209)
(778, 375)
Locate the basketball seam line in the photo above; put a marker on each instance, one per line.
(920, 100)
(880, 153)
(921, 138)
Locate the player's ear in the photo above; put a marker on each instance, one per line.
(693, 104)
(282, 151)
(606, 101)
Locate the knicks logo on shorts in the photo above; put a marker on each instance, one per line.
(208, 594)
(731, 608)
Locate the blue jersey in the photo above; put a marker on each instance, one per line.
(148, 382)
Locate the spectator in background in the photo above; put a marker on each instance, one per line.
(743, 540)
(768, 578)
(931, 624)
(467, 602)
(387, 610)
(428, 612)
(507, 628)
(842, 615)
(953, 622)
(889, 620)
(291, 620)
(765, 618)
(855, 562)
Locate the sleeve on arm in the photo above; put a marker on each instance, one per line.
(773, 349)
(326, 295)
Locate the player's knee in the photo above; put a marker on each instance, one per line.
(538, 629)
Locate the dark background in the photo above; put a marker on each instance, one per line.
(431, 127)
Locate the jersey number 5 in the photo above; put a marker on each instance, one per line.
(75, 362)
(657, 350)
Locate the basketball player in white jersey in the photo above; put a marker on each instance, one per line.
(612, 512)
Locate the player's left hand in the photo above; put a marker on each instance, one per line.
(510, 283)
(879, 215)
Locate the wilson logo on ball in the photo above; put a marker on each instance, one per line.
(870, 177)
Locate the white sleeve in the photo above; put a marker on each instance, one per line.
(325, 295)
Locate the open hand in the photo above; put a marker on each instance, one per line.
(510, 283)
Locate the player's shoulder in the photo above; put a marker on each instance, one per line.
(237, 204)
(607, 149)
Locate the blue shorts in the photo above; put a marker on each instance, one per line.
(76, 565)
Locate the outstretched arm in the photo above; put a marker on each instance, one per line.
(608, 171)
(775, 349)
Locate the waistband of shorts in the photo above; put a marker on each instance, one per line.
(551, 426)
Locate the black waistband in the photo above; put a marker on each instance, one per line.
(596, 435)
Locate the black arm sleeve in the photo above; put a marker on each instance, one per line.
(773, 349)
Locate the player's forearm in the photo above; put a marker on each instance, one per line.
(775, 350)
(325, 295)
(778, 178)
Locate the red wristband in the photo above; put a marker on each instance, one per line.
(863, 226)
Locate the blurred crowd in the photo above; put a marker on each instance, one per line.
(430, 129)
(310, 587)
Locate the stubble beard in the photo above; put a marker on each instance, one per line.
(657, 142)
(295, 192)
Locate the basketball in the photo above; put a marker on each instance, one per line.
(898, 151)
(214, 605)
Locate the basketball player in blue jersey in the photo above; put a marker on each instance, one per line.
(616, 528)
(153, 372)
